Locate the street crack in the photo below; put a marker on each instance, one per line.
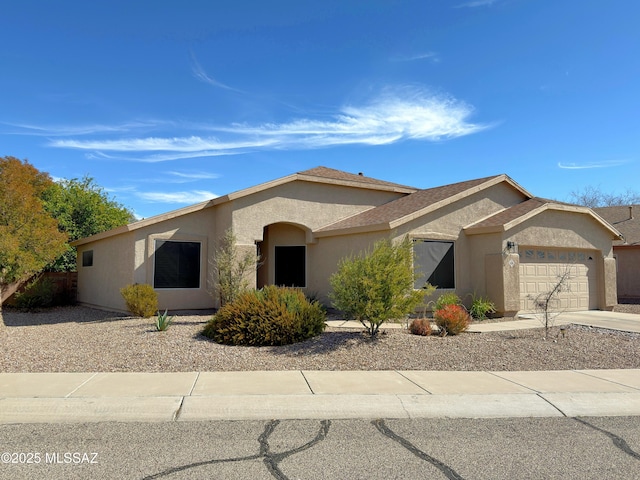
(270, 459)
(619, 442)
(449, 472)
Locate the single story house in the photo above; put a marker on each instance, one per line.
(487, 236)
(626, 219)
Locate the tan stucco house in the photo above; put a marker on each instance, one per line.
(626, 219)
(487, 236)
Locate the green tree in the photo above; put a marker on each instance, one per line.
(29, 236)
(376, 286)
(82, 208)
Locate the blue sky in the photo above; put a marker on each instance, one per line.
(168, 103)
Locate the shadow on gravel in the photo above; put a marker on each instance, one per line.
(18, 318)
(324, 343)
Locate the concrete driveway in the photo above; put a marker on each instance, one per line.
(626, 322)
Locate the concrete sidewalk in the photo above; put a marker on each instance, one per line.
(167, 397)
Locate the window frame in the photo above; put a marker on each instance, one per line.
(449, 253)
(87, 258)
(157, 243)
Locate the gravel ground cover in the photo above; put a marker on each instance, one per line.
(80, 339)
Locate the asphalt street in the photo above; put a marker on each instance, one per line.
(509, 448)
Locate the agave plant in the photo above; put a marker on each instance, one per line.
(163, 321)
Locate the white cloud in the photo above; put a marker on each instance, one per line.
(200, 74)
(68, 130)
(396, 115)
(186, 198)
(194, 176)
(418, 56)
(582, 166)
(476, 3)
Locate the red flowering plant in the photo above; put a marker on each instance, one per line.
(452, 319)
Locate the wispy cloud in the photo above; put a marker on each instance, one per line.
(193, 176)
(432, 56)
(184, 198)
(588, 165)
(199, 73)
(70, 130)
(395, 115)
(476, 3)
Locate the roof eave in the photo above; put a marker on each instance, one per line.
(378, 227)
(143, 223)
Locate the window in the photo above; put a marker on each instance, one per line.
(434, 262)
(87, 258)
(177, 264)
(290, 266)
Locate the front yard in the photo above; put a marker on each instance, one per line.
(79, 339)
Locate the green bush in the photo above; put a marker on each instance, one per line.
(447, 299)
(452, 319)
(481, 306)
(141, 299)
(420, 326)
(271, 316)
(38, 294)
(377, 286)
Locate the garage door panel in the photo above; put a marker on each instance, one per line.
(539, 272)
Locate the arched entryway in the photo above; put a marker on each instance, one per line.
(283, 252)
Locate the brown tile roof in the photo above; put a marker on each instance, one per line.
(385, 214)
(332, 174)
(625, 218)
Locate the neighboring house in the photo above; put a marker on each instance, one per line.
(626, 219)
(487, 236)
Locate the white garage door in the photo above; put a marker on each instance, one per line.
(539, 272)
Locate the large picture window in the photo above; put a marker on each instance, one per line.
(434, 261)
(177, 264)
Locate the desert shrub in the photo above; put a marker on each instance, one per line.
(481, 306)
(377, 285)
(452, 319)
(420, 326)
(231, 269)
(271, 316)
(141, 299)
(40, 293)
(447, 299)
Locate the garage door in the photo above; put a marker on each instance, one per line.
(539, 272)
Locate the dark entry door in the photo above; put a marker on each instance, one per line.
(290, 266)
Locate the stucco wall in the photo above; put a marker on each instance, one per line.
(195, 227)
(628, 266)
(113, 266)
(304, 203)
(128, 258)
(563, 229)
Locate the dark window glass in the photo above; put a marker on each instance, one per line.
(290, 266)
(177, 264)
(435, 262)
(87, 258)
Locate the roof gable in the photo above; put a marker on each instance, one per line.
(397, 212)
(517, 214)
